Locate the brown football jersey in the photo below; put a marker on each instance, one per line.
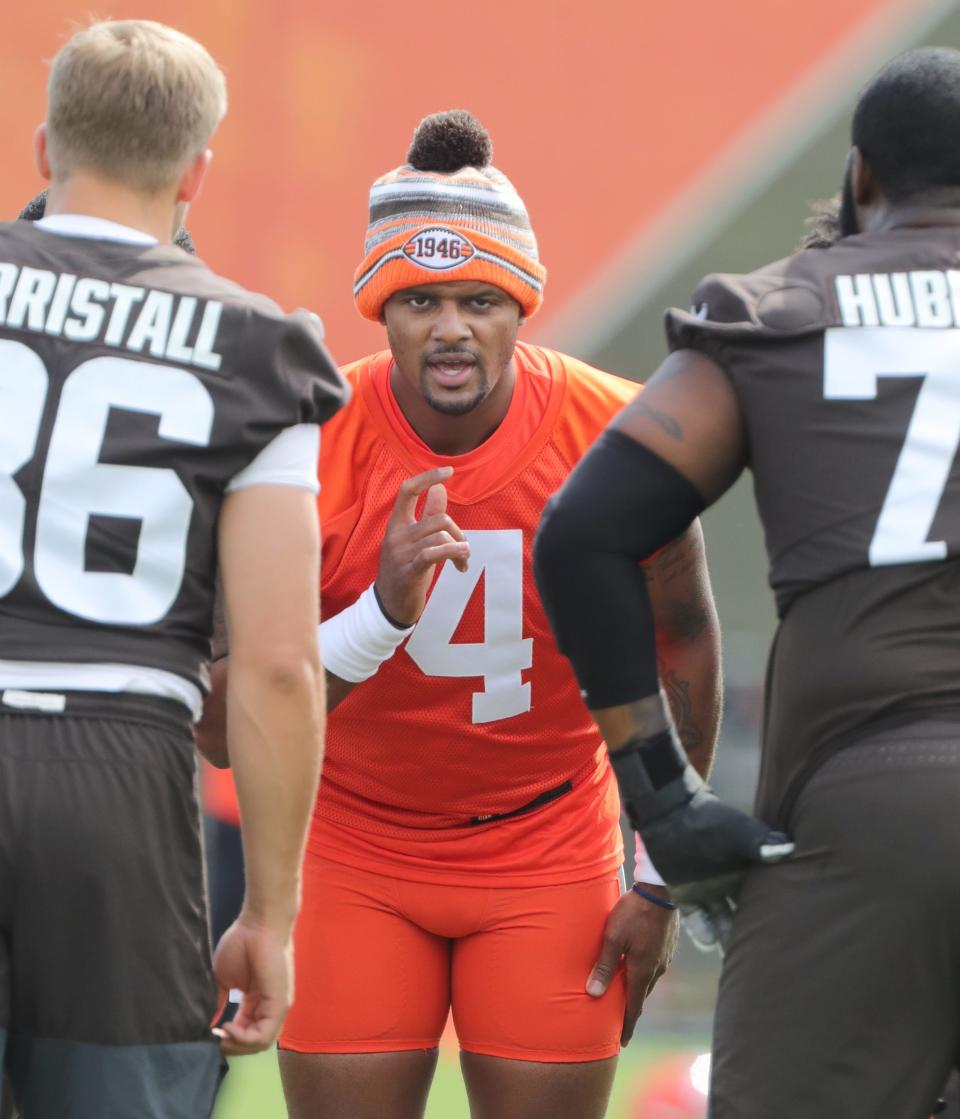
(846, 366)
(134, 385)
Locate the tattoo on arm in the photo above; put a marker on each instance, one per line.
(661, 419)
(681, 708)
(679, 610)
(674, 561)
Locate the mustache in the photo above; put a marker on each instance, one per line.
(453, 351)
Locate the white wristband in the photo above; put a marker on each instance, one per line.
(355, 642)
(644, 871)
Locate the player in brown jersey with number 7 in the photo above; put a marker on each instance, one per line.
(834, 376)
(153, 417)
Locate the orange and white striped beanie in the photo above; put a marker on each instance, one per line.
(447, 214)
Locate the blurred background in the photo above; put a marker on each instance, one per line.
(652, 143)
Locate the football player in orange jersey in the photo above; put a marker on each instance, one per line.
(466, 850)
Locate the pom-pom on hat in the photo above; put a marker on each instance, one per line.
(447, 214)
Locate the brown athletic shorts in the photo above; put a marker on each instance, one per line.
(840, 995)
(106, 990)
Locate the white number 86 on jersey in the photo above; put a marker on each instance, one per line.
(76, 485)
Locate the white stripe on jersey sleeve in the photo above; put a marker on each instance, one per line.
(291, 459)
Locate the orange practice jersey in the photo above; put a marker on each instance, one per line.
(477, 714)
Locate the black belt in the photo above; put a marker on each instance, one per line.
(537, 802)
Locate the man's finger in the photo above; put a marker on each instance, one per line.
(630, 1020)
(452, 550)
(237, 1039)
(637, 988)
(245, 1042)
(605, 968)
(436, 500)
(437, 522)
(404, 508)
(253, 1028)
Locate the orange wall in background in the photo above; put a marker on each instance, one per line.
(599, 113)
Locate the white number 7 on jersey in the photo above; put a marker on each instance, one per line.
(854, 359)
(497, 555)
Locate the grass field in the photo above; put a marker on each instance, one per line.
(252, 1089)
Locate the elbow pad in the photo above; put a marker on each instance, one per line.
(620, 504)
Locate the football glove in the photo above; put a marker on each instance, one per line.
(700, 846)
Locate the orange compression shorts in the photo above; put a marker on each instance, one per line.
(381, 961)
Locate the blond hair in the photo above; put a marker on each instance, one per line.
(133, 100)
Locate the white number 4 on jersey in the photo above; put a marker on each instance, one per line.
(504, 653)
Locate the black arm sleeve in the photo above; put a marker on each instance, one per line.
(620, 504)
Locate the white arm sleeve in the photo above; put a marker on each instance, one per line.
(289, 460)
